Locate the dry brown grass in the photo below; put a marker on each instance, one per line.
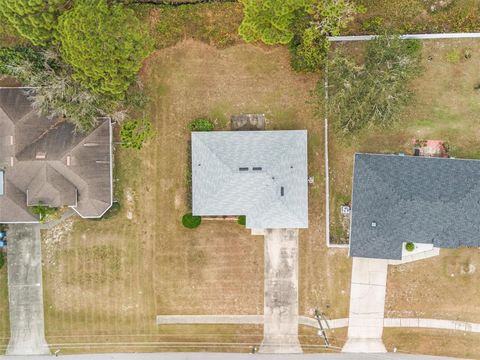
(433, 342)
(444, 287)
(112, 277)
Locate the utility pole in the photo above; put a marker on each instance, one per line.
(320, 316)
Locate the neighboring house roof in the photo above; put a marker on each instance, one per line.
(46, 161)
(413, 199)
(259, 174)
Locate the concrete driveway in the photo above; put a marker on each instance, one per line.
(367, 306)
(25, 292)
(281, 292)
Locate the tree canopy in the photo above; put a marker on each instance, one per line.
(105, 45)
(270, 20)
(323, 18)
(33, 19)
(53, 91)
(372, 94)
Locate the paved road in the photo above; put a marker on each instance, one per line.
(25, 292)
(234, 356)
(367, 305)
(280, 329)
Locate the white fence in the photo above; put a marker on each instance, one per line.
(407, 36)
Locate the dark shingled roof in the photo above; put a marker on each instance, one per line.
(47, 161)
(413, 199)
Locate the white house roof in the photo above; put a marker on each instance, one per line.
(259, 174)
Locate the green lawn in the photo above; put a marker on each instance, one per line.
(4, 323)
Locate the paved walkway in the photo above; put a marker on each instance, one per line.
(66, 215)
(367, 304)
(456, 325)
(432, 324)
(209, 319)
(25, 292)
(280, 329)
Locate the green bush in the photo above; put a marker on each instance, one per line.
(373, 25)
(309, 46)
(242, 220)
(269, 21)
(453, 56)
(43, 211)
(2, 259)
(190, 221)
(201, 124)
(409, 246)
(11, 57)
(105, 44)
(135, 133)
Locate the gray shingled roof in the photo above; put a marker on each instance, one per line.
(413, 199)
(219, 187)
(47, 161)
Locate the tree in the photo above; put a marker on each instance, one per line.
(105, 45)
(269, 20)
(33, 19)
(311, 51)
(323, 18)
(54, 92)
(372, 94)
(135, 133)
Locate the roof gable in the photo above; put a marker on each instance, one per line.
(50, 187)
